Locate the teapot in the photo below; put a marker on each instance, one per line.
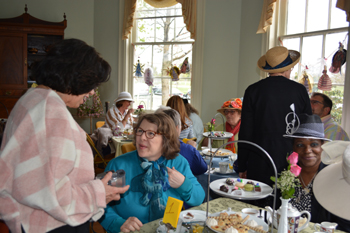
(293, 218)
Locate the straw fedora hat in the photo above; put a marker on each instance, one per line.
(123, 96)
(234, 103)
(332, 184)
(278, 59)
(310, 126)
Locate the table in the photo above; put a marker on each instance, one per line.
(117, 144)
(218, 205)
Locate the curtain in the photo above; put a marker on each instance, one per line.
(345, 6)
(129, 12)
(188, 11)
(266, 15)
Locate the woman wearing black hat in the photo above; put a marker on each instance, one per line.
(307, 142)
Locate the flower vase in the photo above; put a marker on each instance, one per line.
(283, 220)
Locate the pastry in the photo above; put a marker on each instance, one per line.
(230, 181)
(250, 182)
(257, 188)
(224, 188)
(249, 187)
(239, 184)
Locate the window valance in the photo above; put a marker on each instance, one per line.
(266, 15)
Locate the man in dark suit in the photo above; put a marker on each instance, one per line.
(266, 104)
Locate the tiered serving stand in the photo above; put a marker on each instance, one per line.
(227, 135)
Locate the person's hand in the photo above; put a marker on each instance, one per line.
(130, 111)
(176, 179)
(112, 193)
(192, 143)
(131, 224)
(243, 175)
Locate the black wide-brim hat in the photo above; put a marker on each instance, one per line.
(310, 126)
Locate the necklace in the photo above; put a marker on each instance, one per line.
(307, 189)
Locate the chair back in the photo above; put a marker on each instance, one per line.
(99, 124)
(127, 147)
(98, 158)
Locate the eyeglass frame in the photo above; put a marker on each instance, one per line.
(231, 112)
(316, 102)
(145, 131)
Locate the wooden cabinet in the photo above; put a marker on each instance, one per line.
(24, 40)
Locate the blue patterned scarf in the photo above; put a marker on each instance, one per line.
(152, 184)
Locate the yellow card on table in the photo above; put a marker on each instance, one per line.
(172, 211)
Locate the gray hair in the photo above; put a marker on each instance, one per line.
(175, 115)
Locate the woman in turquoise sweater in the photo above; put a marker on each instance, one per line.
(154, 172)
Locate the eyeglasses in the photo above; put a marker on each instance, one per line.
(316, 102)
(150, 134)
(226, 112)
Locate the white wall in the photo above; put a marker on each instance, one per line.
(231, 51)
(231, 47)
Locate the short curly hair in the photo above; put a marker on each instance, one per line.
(72, 67)
(166, 127)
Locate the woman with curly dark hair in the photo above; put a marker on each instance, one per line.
(155, 171)
(47, 182)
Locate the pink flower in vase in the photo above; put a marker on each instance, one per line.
(293, 158)
(140, 106)
(295, 169)
(212, 121)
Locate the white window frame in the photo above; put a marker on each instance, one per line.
(270, 39)
(125, 58)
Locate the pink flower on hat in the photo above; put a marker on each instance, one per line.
(234, 104)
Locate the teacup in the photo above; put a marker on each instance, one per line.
(328, 227)
(223, 167)
(250, 211)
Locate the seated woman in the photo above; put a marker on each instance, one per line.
(198, 128)
(154, 172)
(307, 142)
(197, 163)
(176, 102)
(119, 115)
(232, 110)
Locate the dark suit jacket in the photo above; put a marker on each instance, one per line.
(265, 106)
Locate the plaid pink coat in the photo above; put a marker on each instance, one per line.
(46, 167)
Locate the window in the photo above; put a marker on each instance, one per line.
(315, 28)
(159, 41)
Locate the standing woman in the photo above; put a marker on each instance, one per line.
(47, 175)
(119, 115)
(176, 102)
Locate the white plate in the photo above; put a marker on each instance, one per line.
(225, 136)
(199, 215)
(229, 171)
(259, 221)
(265, 190)
(206, 152)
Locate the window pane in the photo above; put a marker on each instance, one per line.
(317, 18)
(338, 17)
(332, 45)
(312, 50)
(296, 16)
(293, 44)
(166, 26)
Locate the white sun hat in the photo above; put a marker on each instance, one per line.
(124, 96)
(332, 184)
